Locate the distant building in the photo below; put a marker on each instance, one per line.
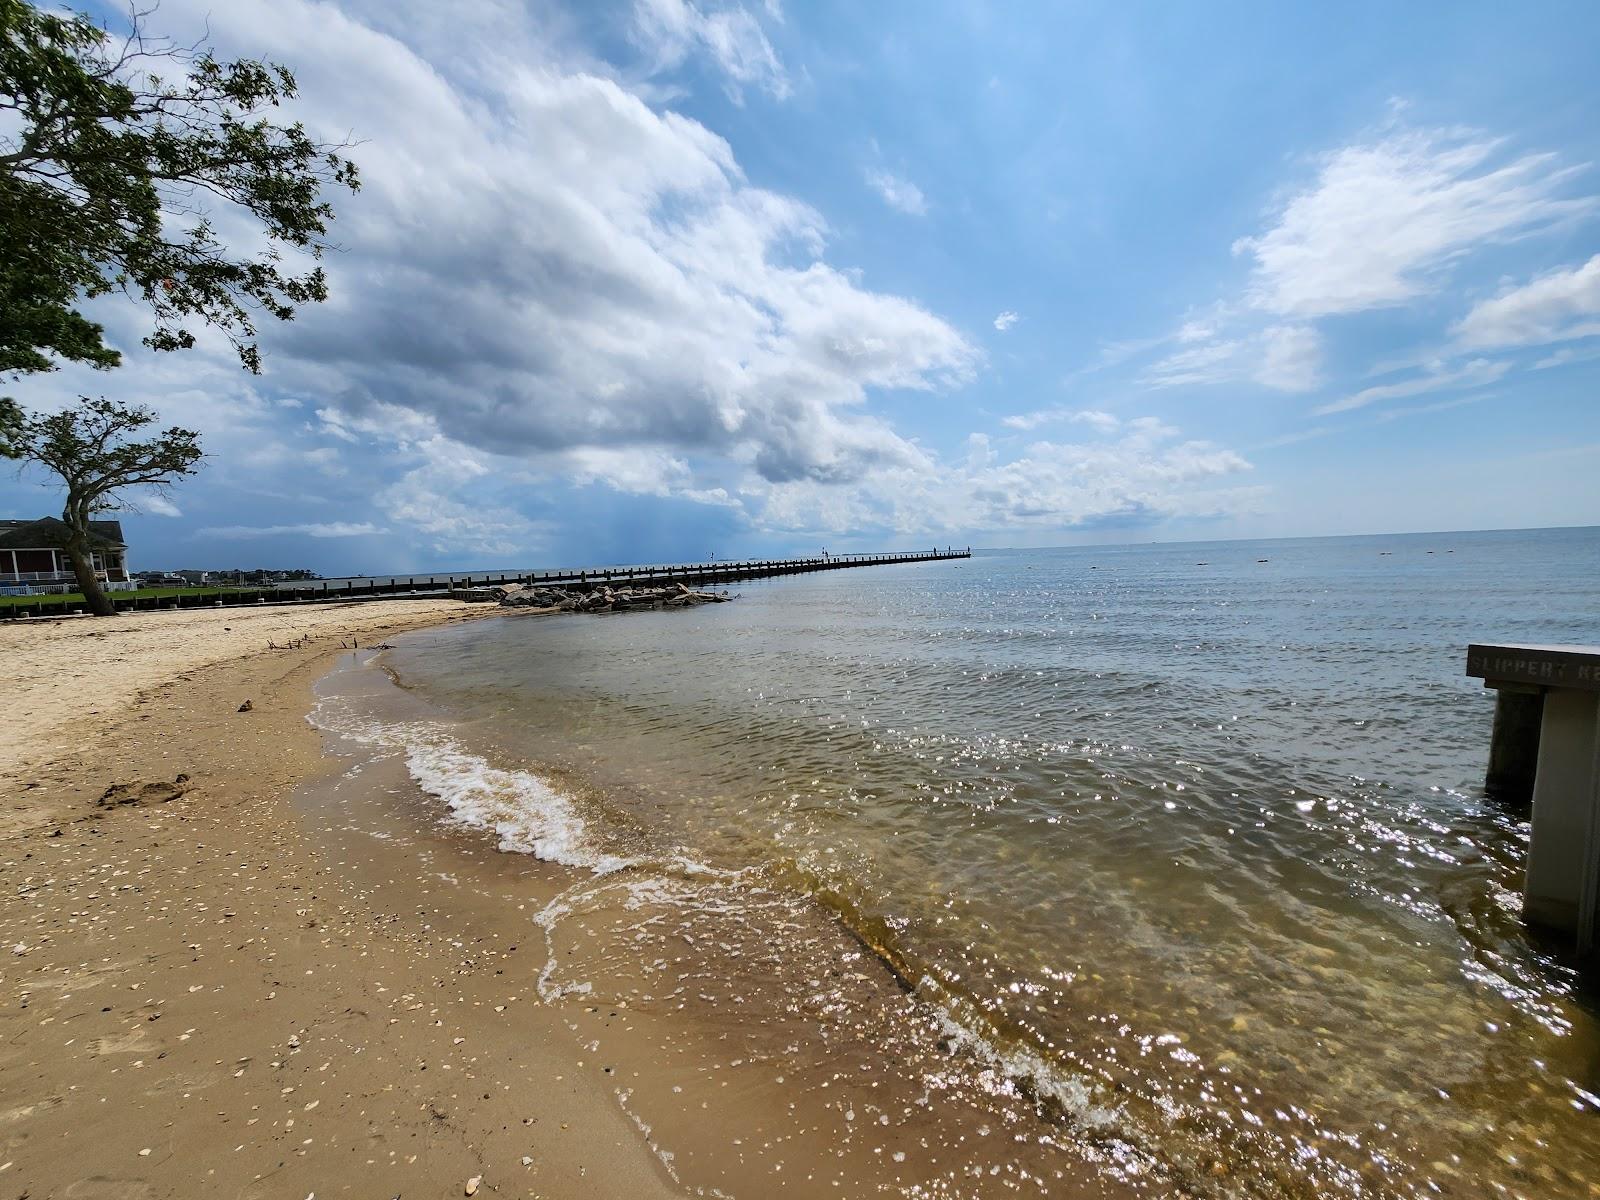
(33, 557)
(238, 576)
(159, 579)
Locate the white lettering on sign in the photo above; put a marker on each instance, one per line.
(1579, 667)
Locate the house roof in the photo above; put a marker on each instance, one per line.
(51, 531)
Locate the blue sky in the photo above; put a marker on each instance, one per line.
(667, 278)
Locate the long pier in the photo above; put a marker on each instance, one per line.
(706, 574)
(386, 587)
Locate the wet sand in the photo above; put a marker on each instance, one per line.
(290, 981)
(196, 999)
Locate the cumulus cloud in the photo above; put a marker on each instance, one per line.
(422, 501)
(1558, 307)
(1006, 320)
(427, 496)
(541, 264)
(1147, 472)
(897, 192)
(548, 282)
(731, 37)
(316, 529)
(1477, 373)
(1383, 218)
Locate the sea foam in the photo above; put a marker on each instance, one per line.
(525, 813)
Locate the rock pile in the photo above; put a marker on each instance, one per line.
(598, 599)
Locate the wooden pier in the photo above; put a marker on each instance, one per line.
(386, 587)
(707, 574)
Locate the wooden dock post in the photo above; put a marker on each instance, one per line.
(1514, 744)
(1563, 877)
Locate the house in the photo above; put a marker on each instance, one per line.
(159, 579)
(33, 557)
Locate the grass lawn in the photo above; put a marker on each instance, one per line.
(72, 599)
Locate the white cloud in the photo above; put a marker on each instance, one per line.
(1291, 358)
(1565, 356)
(1205, 363)
(898, 193)
(1382, 223)
(1143, 475)
(1417, 410)
(316, 529)
(542, 264)
(421, 501)
(1384, 218)
(428, 498)
(641, 472)
(1477, 373)
(1102, 422)
(156, 505)
(1285, 358)
(1006, 320)
(546, 280)
(730, 36)
(325, 459)
(1559, 307)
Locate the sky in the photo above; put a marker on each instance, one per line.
(665, 279)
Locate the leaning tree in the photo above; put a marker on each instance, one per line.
(94, 448)
(113, 175)
(119, 156)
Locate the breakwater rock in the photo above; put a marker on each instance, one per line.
(599, 598)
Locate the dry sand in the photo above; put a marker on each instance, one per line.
(80, 671)
(196, 998)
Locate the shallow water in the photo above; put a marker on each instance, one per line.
(1181, 857)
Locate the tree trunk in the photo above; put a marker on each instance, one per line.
(77, 549)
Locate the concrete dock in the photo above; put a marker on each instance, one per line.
(1546, 748)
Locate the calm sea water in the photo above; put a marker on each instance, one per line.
(1184, 846)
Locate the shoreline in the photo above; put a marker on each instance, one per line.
(198, 996)
(293, 975)
(760, 1044)
(82, 668)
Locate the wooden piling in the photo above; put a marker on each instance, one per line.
(1514, 745)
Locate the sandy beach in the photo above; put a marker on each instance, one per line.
(237, 962)
(198, 999)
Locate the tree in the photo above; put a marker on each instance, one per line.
(92, 448)
(110, 174)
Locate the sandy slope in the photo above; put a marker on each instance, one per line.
(64, 674)
(200, 996)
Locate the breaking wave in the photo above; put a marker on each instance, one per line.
(526, 814)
